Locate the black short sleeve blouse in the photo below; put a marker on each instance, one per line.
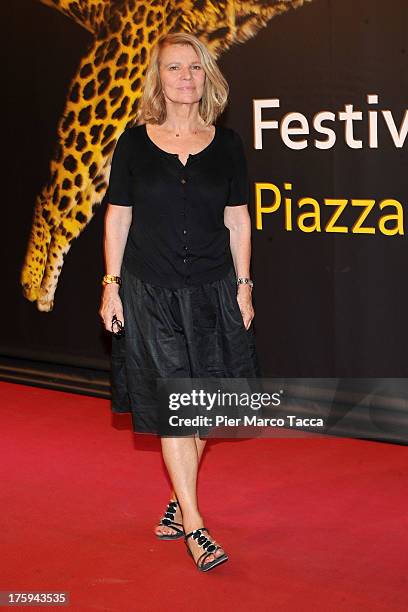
(177, 237)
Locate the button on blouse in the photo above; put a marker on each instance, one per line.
(177, 237)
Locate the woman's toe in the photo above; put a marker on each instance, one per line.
(164, 530)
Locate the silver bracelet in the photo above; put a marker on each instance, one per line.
(245, 281)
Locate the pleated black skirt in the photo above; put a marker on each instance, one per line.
(192, 332)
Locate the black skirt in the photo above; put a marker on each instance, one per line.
(192, 332)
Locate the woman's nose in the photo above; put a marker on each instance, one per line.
(185, 73)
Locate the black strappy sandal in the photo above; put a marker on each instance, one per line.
(209, 548)
(168, 521)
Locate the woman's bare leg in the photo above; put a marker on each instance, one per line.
(178, 517)
(182, 460)
(200, 444)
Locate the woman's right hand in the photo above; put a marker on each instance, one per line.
(111, 304)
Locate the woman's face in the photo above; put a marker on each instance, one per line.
(182, 74)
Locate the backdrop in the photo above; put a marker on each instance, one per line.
(318, 94)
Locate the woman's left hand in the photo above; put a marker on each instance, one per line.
(244, 298)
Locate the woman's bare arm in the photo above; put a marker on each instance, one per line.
(238, 221)
(117, 223)
(118, 220)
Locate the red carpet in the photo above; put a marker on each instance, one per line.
(315, 524)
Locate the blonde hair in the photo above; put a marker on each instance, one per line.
(152, 105)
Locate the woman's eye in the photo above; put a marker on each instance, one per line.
(195, 66)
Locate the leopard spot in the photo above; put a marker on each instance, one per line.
(78, 180)
(107, 133)
(122, 59)
(81, 142)
(115, 93)
(74, 94)
(103, 75)
(121, 111)
(109, 147)
(86, 157)
(58, 152)
(102, 32)
(113, 44)
(121, 73)
(68, 121)
(46, 215)
(100, 110)
(102, 88)
(85, 71)
(199, 5)
(95, 133)
(55, 195)
(70, 138)
(93, 168)
(122, 9)
(80, 217)
(104, 79)
(98, 60)
(70, 163)
(218, 34)
(150, 19)
(127, 35)
(89, 90)
(66, 184)
(136, 84)
(84, 116)
(112, 50)
(115, 23)
(241, 20)
(63, 203)
(100, 49)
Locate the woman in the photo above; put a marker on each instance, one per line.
(177, 246)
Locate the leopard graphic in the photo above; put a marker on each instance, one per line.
(103, 100)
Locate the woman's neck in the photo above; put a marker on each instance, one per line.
(187, 124)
